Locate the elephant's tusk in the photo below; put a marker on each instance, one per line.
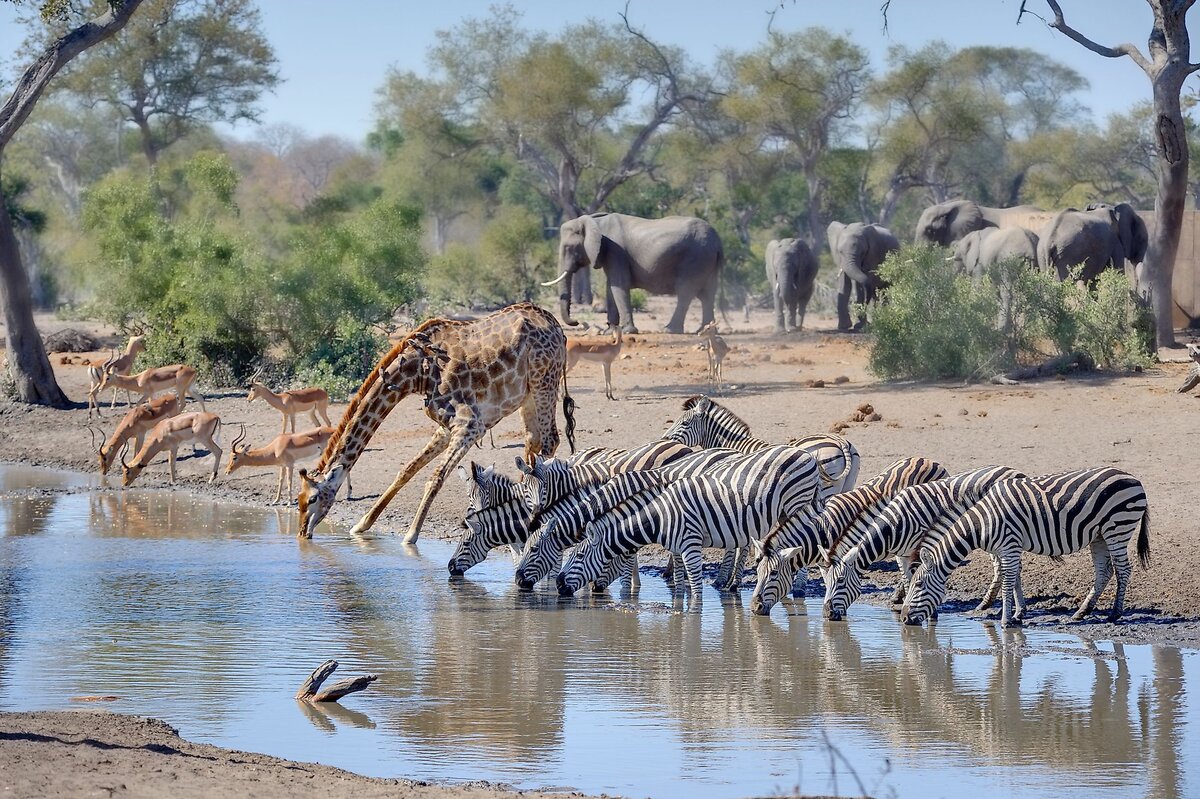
(558, 279)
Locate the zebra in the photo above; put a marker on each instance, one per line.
(801, 540)
(700, 511)
(498, 513)
(1053, 515)
(705, 423)
(546, 480)
(562, 524)
(916, 516)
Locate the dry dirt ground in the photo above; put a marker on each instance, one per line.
(1134, 421)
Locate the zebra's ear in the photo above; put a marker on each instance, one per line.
(522, 466)
(826, 556)
(790, 553)
(756, 548)
(462, 472)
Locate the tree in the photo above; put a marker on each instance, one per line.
(28, 365)
(1166, 63)
(181, 63)
(801, 90)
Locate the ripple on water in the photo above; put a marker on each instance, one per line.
(210, 616)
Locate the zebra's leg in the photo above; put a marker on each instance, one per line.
(1120, 561)
(799, 581)
(669, 572)
(1103, 571)
(990, 596)
(693, 565)
(1018, 594)
(1010, 577)
(905, 562)
(739, 564)
(730, 573)
(633, 579)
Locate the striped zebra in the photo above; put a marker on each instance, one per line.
(546, 480)
(918, 514)
(498, 513)
(1053, 515)
(800, 541)
(562, 525)
(700, 511)
(705, 423)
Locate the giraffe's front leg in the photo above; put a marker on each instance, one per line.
(441, 438)
(461, 441)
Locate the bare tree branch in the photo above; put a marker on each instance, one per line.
(33, 81)
(1060, 24)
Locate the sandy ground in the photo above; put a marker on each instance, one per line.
(1137, 422)
(97, 754)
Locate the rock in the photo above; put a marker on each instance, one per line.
(71, 340)
(866, 409)
(874, 417)
(837, 381)
(816, 384)
(963, 411)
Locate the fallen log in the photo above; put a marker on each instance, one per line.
(310, 689)
(1071, 362)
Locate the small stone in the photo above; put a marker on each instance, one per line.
(837, 381)
(981, 413)
(963, 412)
(857, 416)
(866, 408)
(874, 417)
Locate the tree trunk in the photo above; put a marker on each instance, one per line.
(1173, 159)
(816, 192)
(27, 362)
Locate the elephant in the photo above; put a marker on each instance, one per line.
(1102, 236)
(980, 249)
(946, 223)
(678, 255)
(791, 274)
(858, 250)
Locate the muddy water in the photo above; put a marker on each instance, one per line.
(209, 616)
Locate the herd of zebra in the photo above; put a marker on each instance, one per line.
(709, 484)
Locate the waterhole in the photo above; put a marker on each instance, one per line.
(210, 615)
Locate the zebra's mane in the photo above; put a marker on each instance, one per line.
(725, 419)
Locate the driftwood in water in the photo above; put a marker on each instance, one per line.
(310, 689)
(1075, 361)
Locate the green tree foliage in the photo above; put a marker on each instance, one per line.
(177, 65)
(195, 281)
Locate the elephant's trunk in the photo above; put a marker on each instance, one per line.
(564, 299)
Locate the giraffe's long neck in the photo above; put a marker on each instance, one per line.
(393, 385)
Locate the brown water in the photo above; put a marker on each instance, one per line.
(209, 616)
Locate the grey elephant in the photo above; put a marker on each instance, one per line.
(791, 274)
(678, 255)
(946, 223)
(1095, 239)
(858, 250)
(975, 252)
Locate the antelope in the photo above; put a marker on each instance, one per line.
(603, 352)
(155, 379)
(289, 403)
(717, 349)
(137, 422)
(120, 364)
(168, 434)
(283, 451)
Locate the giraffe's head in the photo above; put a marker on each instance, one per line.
(316, 498)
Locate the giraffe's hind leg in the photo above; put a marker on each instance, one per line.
(461, 441)
(539, 414)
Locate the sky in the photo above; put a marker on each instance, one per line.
(334, 56)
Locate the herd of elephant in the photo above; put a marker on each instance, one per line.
(683, 256)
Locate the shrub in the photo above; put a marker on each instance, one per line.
(637, 299)
(342, 361)
(935, 323)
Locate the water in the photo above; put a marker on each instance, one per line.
(210, 616)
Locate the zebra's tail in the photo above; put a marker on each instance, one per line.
(1143, 541)
(568, 406)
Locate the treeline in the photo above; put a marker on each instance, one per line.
(130, 207)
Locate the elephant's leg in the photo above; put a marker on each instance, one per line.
(708, 299)
(843, 303)
(863, 294)
(791, 321)
(683, 300)
(779, 327)
(620, 299)
(614, 313)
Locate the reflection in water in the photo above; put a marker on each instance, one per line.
(210, 616)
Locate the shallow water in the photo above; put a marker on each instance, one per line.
(210, 616)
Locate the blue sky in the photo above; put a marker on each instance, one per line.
(333, 56)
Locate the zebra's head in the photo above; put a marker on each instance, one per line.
(541, 556)
(542, 480)
(584, 565)
(843, 585)
(776, 571)
(493, 517)
(924, 595)
(704, 423)
(481, 487)
(472, 549)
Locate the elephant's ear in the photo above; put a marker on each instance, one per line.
(1135, 238)
(592, 239)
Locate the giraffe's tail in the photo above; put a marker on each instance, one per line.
(568, 413)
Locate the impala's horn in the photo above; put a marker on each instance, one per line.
(240, 438)
(98, 447)
(124, 465)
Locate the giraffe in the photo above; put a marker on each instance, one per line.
(473, 374)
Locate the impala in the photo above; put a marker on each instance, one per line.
(149, 382)
(717, 349)
(283, 451)
(188, 428)
(604, 352)
(289, 403)
(121, 364)
(137, 422)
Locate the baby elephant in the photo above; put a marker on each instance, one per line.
(791, 274)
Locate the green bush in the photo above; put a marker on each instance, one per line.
(935, 323)
(637, 299)
(341, 362)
